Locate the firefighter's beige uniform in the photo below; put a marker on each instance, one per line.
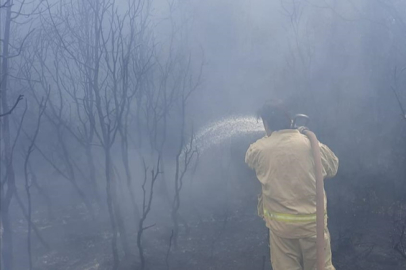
(284, 165)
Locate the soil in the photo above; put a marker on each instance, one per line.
(232, 238)
(220, 228)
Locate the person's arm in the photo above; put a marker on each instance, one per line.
(329, 161)
(251, 156)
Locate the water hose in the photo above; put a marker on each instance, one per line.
(319, 199)
(319, 188)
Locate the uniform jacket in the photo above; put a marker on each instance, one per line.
(283, 163)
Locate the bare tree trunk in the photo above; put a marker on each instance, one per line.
(7, 250)
(119, 217)
(27, 189)
(43, 192)
(7, 241)
(146, 206)
(25, 214)
(71, 172)
(28, 182)
(109, 192)
(163, 187)
(183, 159)
(124, 151)
(92, 172)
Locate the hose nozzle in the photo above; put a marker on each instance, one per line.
(297, 117)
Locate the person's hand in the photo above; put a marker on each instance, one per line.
(302, 129)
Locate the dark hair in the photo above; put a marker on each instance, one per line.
(275, 115)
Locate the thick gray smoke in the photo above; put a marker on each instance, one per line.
(127, 151)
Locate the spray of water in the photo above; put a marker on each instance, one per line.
(224, 130)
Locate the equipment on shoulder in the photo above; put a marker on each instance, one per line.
(296, 118)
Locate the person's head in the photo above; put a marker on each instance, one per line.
(274, 117)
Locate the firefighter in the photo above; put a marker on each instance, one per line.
(284, 166)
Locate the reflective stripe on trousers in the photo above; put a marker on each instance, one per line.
(289, 217)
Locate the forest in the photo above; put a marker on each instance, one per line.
(124, 125)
